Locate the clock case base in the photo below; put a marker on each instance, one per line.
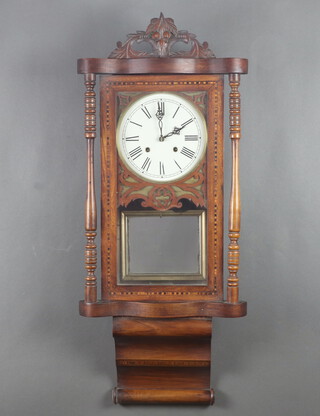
(160, 396)
(163, 309)
(163, 361)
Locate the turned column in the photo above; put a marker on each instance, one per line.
(235, 202)
(90, 204)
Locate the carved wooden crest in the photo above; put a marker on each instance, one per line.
(162, 37)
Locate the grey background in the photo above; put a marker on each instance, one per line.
(53, 362)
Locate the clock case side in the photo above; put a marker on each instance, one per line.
(110, 86)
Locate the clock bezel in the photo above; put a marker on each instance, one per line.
(201, 120)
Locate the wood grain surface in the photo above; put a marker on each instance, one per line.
(161, 363)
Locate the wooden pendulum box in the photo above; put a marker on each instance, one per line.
(161, 132)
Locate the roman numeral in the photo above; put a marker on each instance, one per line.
(176, 111)
(187, 152)
(146, 164)
(191, 138)
(146, 112)
(132, 139)
(139, 125)
(161, 107)
(161, 167)
(135, 153)
(187, 122)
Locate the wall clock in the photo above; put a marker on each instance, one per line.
(161, 131)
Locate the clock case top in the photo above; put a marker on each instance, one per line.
(163, 69)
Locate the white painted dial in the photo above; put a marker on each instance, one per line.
(161, 137)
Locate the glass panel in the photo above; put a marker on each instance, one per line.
(168, 246)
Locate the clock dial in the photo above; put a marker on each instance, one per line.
(161, 137)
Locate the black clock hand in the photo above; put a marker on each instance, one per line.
(160, 127)
(159, 115)
(176, 130)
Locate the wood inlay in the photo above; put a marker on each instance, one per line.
(211, 193)
(108, 190)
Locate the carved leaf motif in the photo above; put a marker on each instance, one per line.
(162, 196)
(161, 25)
(126, 51)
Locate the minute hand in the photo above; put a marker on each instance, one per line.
(176, 130)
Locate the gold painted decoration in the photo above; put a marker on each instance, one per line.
(162, 196)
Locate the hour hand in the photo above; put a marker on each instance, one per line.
(176, 130)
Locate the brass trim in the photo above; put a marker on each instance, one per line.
(183, 278)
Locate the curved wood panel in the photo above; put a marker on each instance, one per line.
(163, 309)
(129, 326)
(163, 66)
(161, 396)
